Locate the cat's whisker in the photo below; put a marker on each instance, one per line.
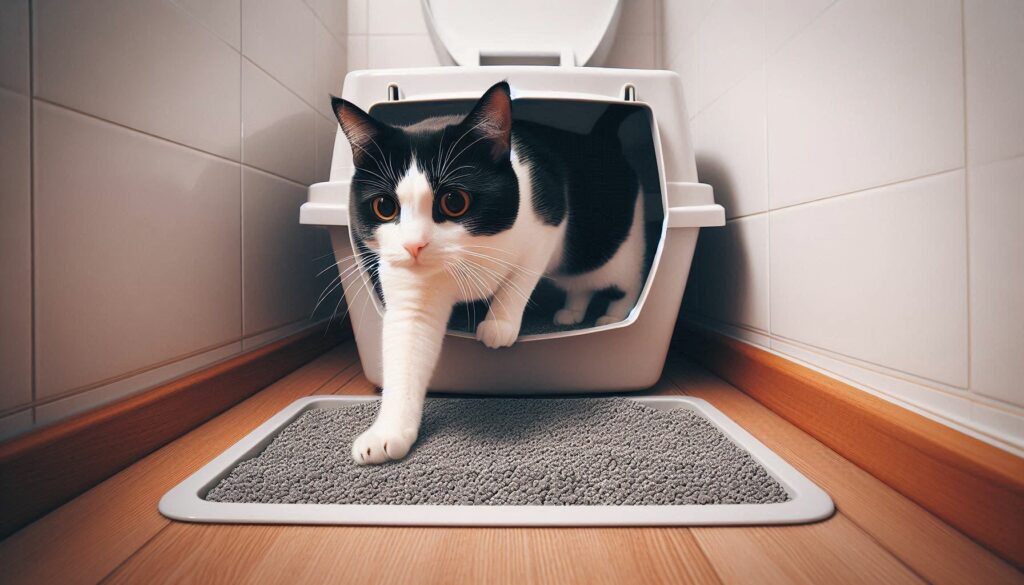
(467, 147)
(380, 165)
(504, 282)
(358, 256)
(506, 263)
(482, 284)
(462, 291)
(450, 160)
(344, 277)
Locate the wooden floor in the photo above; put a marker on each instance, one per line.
(113, 533)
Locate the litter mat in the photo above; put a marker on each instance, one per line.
(504, 462)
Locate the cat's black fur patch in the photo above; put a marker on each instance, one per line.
(587, 177)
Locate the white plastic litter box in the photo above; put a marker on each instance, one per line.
(627, 355)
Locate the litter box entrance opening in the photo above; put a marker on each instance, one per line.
(631, 127)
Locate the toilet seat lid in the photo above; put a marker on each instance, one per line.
(476, 32)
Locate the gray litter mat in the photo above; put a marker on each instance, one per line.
(504, 461)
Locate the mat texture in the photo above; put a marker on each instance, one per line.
(609, 451)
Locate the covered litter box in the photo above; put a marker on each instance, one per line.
(654, 134)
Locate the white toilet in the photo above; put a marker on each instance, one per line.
(548, 52)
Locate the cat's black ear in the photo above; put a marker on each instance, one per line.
(364, 132)
(491, 120)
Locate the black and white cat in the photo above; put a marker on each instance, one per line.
(458, 210)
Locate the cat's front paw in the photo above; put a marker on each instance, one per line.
(381, 443)
(495, 333)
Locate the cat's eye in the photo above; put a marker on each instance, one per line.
(386, 208)
(455, 203)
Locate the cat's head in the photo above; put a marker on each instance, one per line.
(426, 194)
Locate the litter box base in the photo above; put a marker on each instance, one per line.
(185, 502)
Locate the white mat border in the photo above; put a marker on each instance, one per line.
(807, 503)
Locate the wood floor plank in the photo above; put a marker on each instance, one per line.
(835, 551)
(414, 555)
(101, 528)
(932, 548)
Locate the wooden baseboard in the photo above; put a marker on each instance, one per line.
(45, 468)
(970, 484)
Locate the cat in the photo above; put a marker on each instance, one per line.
(458, 210)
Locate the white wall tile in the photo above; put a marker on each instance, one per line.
(731, 267)
(331, 65)
(632, 52)
(279, 128)
(994, 45)
(325, 135)
(731, 145)
(358, 13)
(879, 276)
(685, 64)
(281, 282)
(996, 214)
(869, 94)
(680, 21)
(386, 52)
(14, 45)
(637, 17)
(333, 14)
(731, 44)
(278, 35)
(223, 17)
(395, 17)
(140, 64)
(137, 250)
(358, 52)
(15, 251)
(784, 19)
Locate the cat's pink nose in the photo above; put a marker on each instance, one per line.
(415, 248)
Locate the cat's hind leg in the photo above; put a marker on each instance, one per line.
(619, 309)
(576, 303)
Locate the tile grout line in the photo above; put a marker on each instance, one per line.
(849, 193)
(34, 381)
(168, 140)
(241, 191)
(967, 198)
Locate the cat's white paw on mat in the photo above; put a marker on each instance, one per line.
(382, 442)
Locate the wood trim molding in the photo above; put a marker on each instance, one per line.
(43, 469)
(975, 487)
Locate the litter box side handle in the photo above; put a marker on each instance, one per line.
(693, 205)
(327, 204)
